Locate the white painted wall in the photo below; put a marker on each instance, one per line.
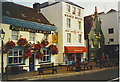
(56, 15)
(110, 20)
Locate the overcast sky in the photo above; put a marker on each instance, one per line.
(89, 5)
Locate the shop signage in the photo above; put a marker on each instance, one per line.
(73, 17)
(16, 28)
(54, 38)
(97, 36)
(72, 31)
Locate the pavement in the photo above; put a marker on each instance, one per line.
(62, 72)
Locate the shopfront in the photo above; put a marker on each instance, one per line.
(74, 54)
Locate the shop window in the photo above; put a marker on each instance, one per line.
(68, 8)
(68, 38)
(92, 43)
(68, 23)
(79, 25)
(46, 57)
(79, 12)
(70, 57)
(74, 10)
(32, 37)
(15, 35)
(15, 56)
(111, 30)
(79, 38)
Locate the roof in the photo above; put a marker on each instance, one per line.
(87, 24)
(13, 10)
(112, 10)
(46, 4)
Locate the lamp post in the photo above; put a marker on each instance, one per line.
(2, 38)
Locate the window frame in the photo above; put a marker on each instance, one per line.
(111, 39)
(79, 38)
(33, 37)
(18, 56)
(68, 23)
(74, 10)
(68, 8)
(79, 25)
(110, 30)
(68, 37)
(79, 12)
(15, 34)
(92, 43)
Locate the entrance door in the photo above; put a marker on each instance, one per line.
(31, 63)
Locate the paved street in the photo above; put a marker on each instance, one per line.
(105, 75)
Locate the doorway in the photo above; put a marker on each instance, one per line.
(31, 63)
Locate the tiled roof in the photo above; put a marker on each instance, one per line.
(13, 10)
(69, 2)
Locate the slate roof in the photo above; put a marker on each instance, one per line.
(13, 10)
(69, 2)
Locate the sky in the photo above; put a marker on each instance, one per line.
(88, 5)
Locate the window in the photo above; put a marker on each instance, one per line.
(79, 38)
(111, 30)
(99, 44)
(15, 56)
(68, 23)
(74, 10)
(92, 43)
(111, 40)
(32, 37)
(79, 12)
(46, 36)
(68, 8)
(68, 38)
(79, 25)
(15, 35)
(46, 57)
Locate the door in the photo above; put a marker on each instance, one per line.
(31, 63)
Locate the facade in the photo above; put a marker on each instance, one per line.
(95, 37)
(68, 18)
(111, 33)
(23, 22)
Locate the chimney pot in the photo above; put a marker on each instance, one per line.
(36, 7)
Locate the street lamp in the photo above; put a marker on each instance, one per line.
(2, 38)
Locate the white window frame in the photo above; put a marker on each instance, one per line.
(68, 37)
(15, 34)
(31, 36)
(79, 25)
(68, 23)
(13, 56)
(79, 12)
(79, 38)
(74, 10)
(68, 8)
(45, 55)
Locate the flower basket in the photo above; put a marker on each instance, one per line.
(39, 55)
(22, 42)
(9, 45)
(53, 49)
(44, 42)
(27, 54)
(38, 46)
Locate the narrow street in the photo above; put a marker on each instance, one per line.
(106, 75)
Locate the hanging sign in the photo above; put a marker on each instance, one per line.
(16, 28)
(54, 38)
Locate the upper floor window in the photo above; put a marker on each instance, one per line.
(79, 25)
(15, 56)
(15, 35)
(32, 37)
(68, 38)
(79, 38)
(79, 11)
(68, 23)
(46, 57)
(46, 36)
(92, 43)
(111, 40)
(68, 8)
(74, 10)
(110, 30)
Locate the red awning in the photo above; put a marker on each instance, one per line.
(75, 49)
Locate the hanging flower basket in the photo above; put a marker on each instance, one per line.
(53, 49)
(22, 42)
(38, 46)
(27, 54)
(44, 42)
(39, 55)
(9, 45)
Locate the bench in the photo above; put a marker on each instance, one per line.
(49, 66)
(14, 69)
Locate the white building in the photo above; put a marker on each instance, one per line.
(68, 18)
(111, 32)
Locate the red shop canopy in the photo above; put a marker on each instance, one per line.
(75, 49)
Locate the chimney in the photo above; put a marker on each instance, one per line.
(36, 7)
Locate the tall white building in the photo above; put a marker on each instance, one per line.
(111, 32)
(68, 18)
